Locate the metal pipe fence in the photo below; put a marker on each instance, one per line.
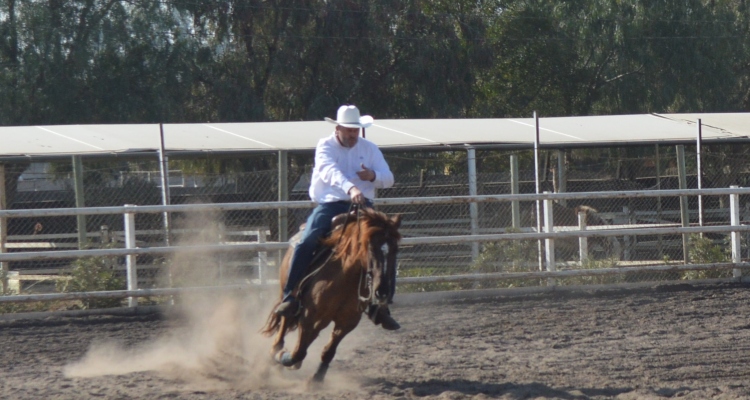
(506, 256)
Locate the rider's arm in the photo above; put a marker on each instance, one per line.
(383, 174)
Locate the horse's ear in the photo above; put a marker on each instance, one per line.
(396, 219)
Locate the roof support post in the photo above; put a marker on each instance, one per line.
(164, 172)
(473, 207)
(699, 172)
(562, 175)
(283, 212)
(657, 166)
(514, 180)
(3, 232)
(685, 217)
(80, 202)
(283, 217)
(536, 185)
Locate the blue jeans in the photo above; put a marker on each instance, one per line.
(318, 226)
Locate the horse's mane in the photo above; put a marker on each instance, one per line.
(352, 238)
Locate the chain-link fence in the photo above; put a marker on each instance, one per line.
(255, 178)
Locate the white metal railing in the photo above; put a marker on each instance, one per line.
(273, 205)
(548, 236)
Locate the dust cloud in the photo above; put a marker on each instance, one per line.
(213, 342)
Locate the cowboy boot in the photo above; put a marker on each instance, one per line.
(288, 308)
(381, 315)
(386, 321)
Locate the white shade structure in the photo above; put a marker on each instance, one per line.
(556, 132)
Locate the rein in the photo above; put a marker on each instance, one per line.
(364, 276)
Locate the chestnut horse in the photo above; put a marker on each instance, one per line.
(356, 274)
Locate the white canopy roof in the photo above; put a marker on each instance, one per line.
(63, 140)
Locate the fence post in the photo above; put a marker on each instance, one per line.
(164, 176)
(626, 239)
(549, 243)
(536, 184)
(130, 262)
(104, 239)
(583, 243)
(633, 220)
(734, 217)
(562, 174)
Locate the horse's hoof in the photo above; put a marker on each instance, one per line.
(285, 358)
(278, 357)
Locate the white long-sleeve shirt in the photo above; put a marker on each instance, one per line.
(336, 167)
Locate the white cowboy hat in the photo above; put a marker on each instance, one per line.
(348, 117)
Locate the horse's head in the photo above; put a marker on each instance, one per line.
(383, 248)
(369, 239)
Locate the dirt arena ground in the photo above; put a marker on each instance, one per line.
(682, 341)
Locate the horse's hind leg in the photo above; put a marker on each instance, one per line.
(330, 351)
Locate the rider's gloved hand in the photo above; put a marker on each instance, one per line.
(356, 196)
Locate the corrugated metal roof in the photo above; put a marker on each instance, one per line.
(63, 140)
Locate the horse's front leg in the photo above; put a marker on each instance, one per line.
(278, 340)
(338, 334)
(307, 333)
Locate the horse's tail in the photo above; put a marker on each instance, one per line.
(272, 323)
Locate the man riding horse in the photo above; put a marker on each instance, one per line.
(347, 171)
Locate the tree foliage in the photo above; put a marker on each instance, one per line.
(138, 61)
